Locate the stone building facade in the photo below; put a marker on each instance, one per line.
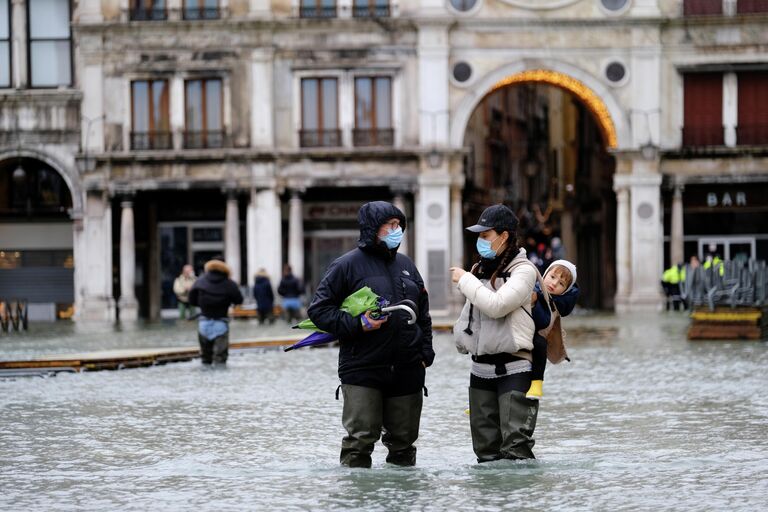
(256, 128)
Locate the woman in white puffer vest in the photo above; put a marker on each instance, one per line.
(496, 328)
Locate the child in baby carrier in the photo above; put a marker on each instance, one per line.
(560, 281)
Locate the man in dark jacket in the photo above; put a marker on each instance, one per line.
(213, 293)
(381, 361)
(290, 289)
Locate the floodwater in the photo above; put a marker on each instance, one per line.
(640, 420)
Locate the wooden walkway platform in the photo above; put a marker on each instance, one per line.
(139, 357)
(725, 323)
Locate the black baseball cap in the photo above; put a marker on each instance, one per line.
(497, 217)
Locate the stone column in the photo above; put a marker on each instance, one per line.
(623, 270)
(646, 241)
(730, 108)
(232, 237)
(128, 306)
(265, 246)
(433, 235)
(399, 201)
(676, 229)
(296, 235)
(457, 227)
(93, 258)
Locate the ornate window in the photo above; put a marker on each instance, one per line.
(146, 10)
(151, 126)
(201, 10)
(370, 8)
(319, 113)
(203, 112)
(373, 112)
(317, 9)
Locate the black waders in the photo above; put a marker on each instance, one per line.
(366, 412)
(214, 351)
(502, 424)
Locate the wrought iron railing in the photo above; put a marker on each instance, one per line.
(700, 136)
(319, 138)
(151, 140)
(373, 136)
(139, 13)
(325, 11)
(205, 139)
(201, 13)
(380, 10)
(702, 7)
(752, 134)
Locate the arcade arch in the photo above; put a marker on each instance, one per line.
(541, 141)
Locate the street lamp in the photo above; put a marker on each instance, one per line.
(19, 174)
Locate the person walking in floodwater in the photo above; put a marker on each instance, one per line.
(496, 329)
(181, 287)
(382, 361)
(213, 293)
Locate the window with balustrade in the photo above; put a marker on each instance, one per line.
(703, 109)
(203, 106)
(5, 43)
(148, 10)
(151, 125)
(317, 9)
(752, 128)
(50, 43)
(373, 112)
(370, 9)
(201, 10)
(319, 113)
(702, 7)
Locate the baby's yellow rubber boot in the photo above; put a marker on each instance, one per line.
(536, 391)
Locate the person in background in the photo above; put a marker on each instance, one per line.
(213, 293)
(265, 297)
(181, 287)
(670, 282)
(291, 289)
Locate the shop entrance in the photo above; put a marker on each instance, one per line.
(182, 243)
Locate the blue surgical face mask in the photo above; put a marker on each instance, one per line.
(393, 238)
(484, 248)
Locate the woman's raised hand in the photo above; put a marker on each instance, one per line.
(456, 273)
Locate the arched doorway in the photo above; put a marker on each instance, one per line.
(539, 142)
(36, 242)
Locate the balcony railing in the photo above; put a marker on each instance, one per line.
(318, 139)
(151, 140)
(373, 137)
(702, 7)
(205, 139)
(751, 6)
(201, 13)
(148, 13)
(368, 11)
(752, 134)
(318, 12)
(701, 136)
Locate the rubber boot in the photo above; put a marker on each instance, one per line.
(484, 424)
(518, 420)
(206, 349)
(221, 349)
(362, 418)
(401, 427)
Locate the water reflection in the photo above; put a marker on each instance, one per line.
(640, 420)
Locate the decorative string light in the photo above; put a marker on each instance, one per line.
(575, 87)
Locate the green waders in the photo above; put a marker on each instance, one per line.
(502, 425)
(366, 411)
(215, 350)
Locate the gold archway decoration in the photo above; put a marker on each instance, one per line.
(575, 87)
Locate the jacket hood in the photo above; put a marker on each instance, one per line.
(371, 216)
(217, 266)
